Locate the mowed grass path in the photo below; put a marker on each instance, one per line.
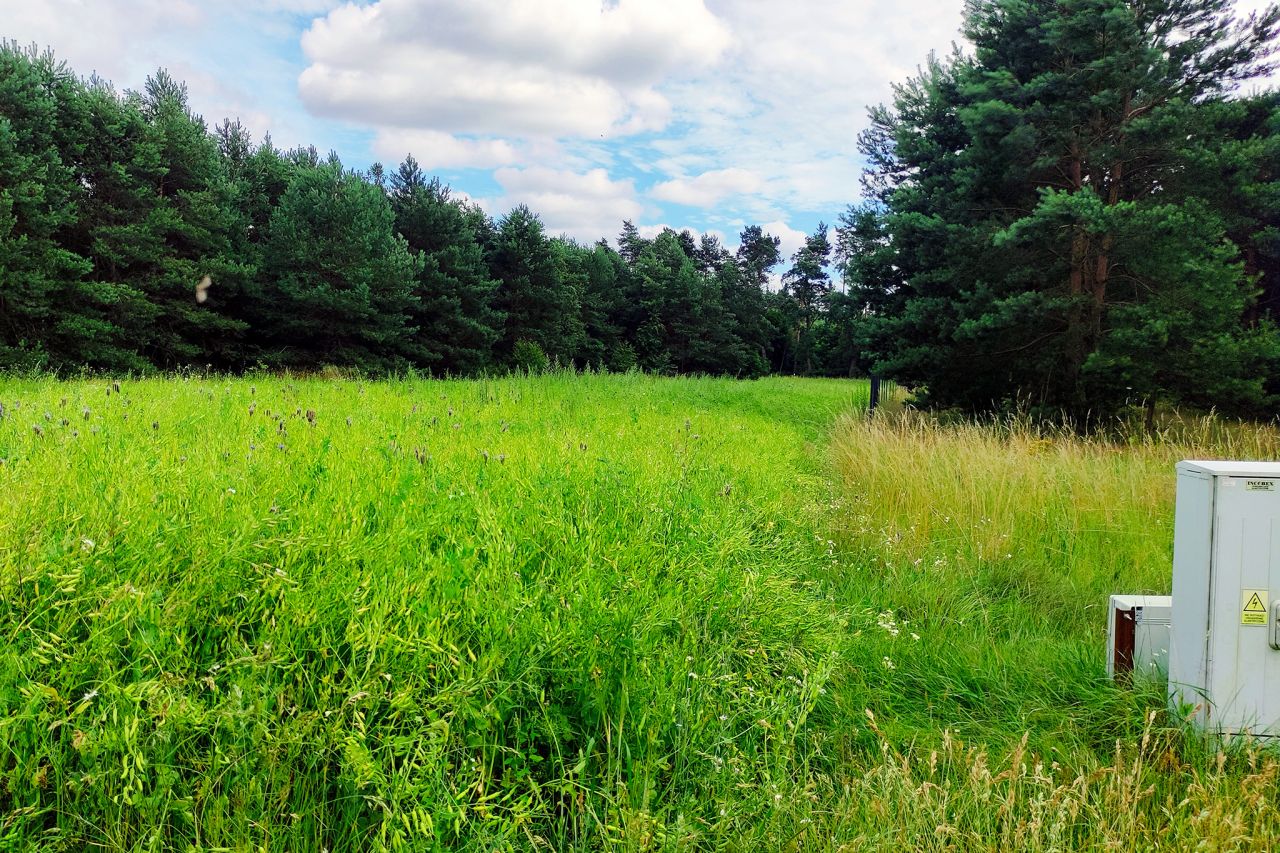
(580, 612)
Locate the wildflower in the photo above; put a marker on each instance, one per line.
(886, 621)
(39, 432)
(87, 545)
(311, 416)
(502, 457)
(888, 664)
(915, 636)
(231, 491)
(90, 696)
(348, 421)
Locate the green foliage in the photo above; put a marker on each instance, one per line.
(456, 325)
(1053, 219)
(132, 237)
(52, 311)
(331, 614)
(527, 356)
(583, 612)
(338, 280)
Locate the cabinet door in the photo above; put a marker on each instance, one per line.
(1245, 669)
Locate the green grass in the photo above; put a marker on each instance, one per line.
(581, 612)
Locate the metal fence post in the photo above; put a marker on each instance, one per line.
(875, 393)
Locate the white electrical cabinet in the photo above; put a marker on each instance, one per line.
(1224, 651)
(1138, 632)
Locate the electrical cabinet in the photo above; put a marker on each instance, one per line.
(1224, 651)
(1138, 632)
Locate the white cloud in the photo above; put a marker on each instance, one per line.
(708, 188)
(791, 239)
(575, 68)
(232, 56)
(586, 206)
(435, 150)
(91, 36)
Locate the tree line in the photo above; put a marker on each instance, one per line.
(114, 208)
(1079, 213)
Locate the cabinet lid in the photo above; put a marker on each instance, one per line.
(1231, 469)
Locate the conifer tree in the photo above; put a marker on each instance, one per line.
(1032, 193)
(53, 311)
(339, 282)
(456, 324)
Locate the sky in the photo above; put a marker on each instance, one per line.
(703, 114)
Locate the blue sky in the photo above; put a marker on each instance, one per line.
(702, 114)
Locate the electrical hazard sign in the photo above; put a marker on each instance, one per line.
(1253, 607)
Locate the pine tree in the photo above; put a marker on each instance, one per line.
(538, 304)
(1031, 192)
(338, 281)
(457, 326)
(808, 283)
(52, 311)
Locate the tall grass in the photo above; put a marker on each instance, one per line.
(580, 612)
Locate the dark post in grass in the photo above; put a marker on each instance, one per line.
(875, 393)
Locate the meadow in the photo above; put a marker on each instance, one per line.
(580, 612)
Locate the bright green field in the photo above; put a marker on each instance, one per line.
(582, 612)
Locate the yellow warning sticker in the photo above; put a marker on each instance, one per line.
(1253, 609)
